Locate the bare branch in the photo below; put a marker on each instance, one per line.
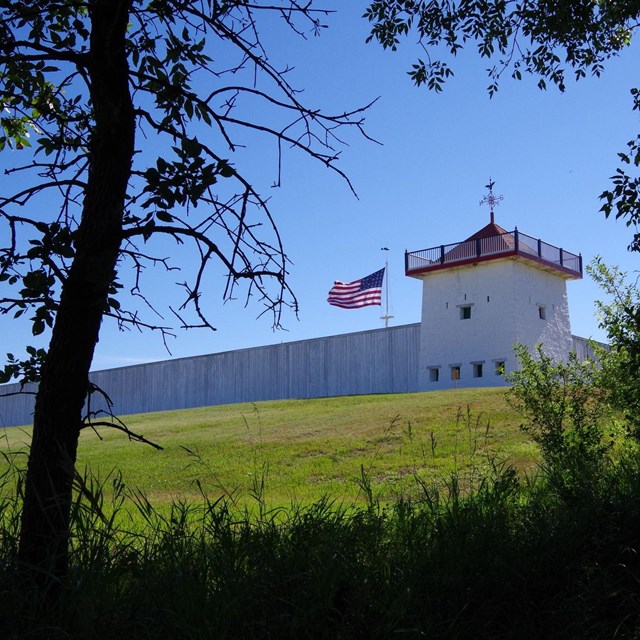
(120, 426)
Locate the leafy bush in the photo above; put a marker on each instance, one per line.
(563, 406)
(620, 318)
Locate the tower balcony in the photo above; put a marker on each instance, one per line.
(483, 247)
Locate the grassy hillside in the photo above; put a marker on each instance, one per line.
(302, 450)
(508, 560)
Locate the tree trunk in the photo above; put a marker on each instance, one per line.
(64, 380)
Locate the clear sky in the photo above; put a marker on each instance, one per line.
(550, 155)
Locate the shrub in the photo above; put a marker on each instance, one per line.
(620, 318)
(563, 406)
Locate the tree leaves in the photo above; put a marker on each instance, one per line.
(544, 39)
(541, 37)
(199, 82)
(619, 316)
(623, 199)
(25, 371)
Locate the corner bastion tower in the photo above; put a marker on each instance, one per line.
(484, 294)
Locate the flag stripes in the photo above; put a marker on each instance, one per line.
(360, 293)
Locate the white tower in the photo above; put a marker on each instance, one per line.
(484, 294)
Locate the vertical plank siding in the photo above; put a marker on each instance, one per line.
(16, 409)
(376, 361)
(584, 348)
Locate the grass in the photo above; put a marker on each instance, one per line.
(309, 449)
(505, 560)
(489, 553)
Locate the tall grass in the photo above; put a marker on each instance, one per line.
(488, 554)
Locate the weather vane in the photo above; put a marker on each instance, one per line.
(491, 199)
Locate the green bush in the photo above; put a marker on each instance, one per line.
(620, 318)
(564, 408)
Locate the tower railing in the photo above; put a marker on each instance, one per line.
(505, 244)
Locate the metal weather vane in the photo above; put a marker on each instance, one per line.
(491, 199)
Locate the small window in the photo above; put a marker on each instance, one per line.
(477, 369)
(500, 367)
(455, 372)
(434, 374)
(465, 312)
(542, 312)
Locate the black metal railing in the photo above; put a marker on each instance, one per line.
(512, 242)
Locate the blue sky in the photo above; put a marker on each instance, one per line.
(550, 155)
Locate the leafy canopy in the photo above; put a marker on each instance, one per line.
(565, 410)
(550, 40)
(545, 38)
(204, 86)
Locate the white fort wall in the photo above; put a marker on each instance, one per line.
(377, 361)
(472, 315)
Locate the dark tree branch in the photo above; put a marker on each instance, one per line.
(82, 79)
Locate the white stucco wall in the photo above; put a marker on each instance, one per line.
(505, 296)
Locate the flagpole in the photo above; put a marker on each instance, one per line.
(386, 317)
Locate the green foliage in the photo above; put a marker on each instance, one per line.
(544, 38)
(623, 199)
(549, 40)
(193, 74)
(563, 406)
(620, 318)
(27, 370)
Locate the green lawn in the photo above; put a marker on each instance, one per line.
(302, 450)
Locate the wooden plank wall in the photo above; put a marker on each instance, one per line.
(376, 361)
(584, 348)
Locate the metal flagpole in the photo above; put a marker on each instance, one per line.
(386, 317)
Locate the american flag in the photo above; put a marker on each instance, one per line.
(360, 293)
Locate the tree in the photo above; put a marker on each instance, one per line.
(121, 117)
(620, 318)
(543, 38)
(547, 39)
